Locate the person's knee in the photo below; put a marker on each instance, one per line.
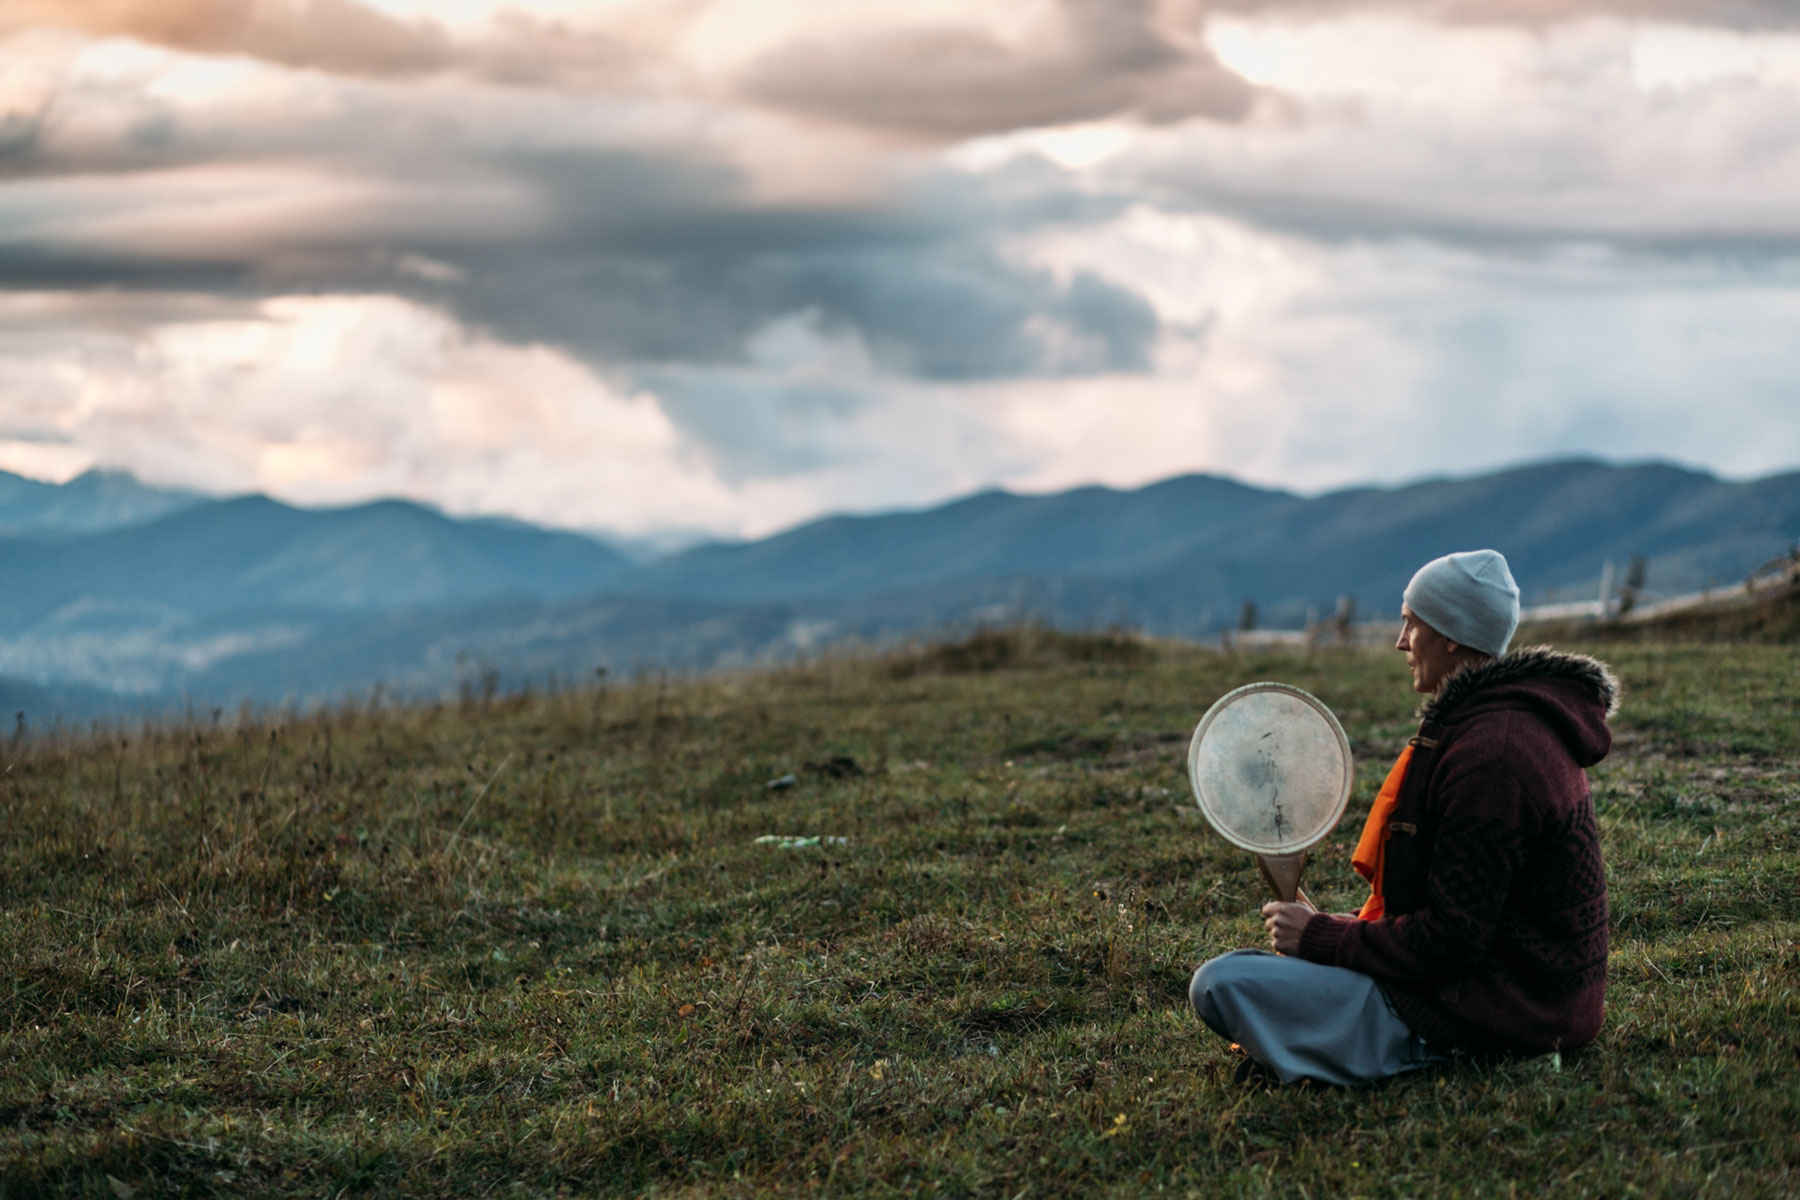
(1198, 989)
(1215, 978)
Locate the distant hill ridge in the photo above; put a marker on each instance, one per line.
(1558, 522)
(250, 551)
(91, 502)
(991, 533)
(250, 597)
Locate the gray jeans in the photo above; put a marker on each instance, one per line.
(1306, 1021)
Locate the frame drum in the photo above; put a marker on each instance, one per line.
(1271, 768)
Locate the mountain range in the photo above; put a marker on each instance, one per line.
(118, 597)
(88, 503)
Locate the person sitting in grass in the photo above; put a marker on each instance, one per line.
(1486, 924)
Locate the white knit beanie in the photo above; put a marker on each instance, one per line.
(1469, 597)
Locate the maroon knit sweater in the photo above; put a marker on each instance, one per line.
(1495, 931)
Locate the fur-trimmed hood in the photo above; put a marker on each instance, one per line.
(1572, 693)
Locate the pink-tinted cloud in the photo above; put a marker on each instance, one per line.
(1092, 59)
(1084, 60)
(341, 37)
(333, 35)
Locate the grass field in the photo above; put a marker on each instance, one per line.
(535, 947)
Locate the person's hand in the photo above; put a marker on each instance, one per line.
(1284, 920)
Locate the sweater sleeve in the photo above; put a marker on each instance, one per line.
(1479, 846)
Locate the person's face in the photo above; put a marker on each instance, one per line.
(1429, 654)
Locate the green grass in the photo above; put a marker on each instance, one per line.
(533, 947)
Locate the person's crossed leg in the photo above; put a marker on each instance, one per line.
(1303, 1020)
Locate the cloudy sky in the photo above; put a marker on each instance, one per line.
(723, 265)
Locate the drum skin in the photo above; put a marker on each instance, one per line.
(1271, 768)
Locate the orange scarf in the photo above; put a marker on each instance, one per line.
(1369, 857)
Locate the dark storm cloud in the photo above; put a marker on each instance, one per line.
(756, 427)
(631, 258)
(652, 260)
(25, 267)
(927, 309)
(959, 314)
(1103, 58)
(621, 257)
